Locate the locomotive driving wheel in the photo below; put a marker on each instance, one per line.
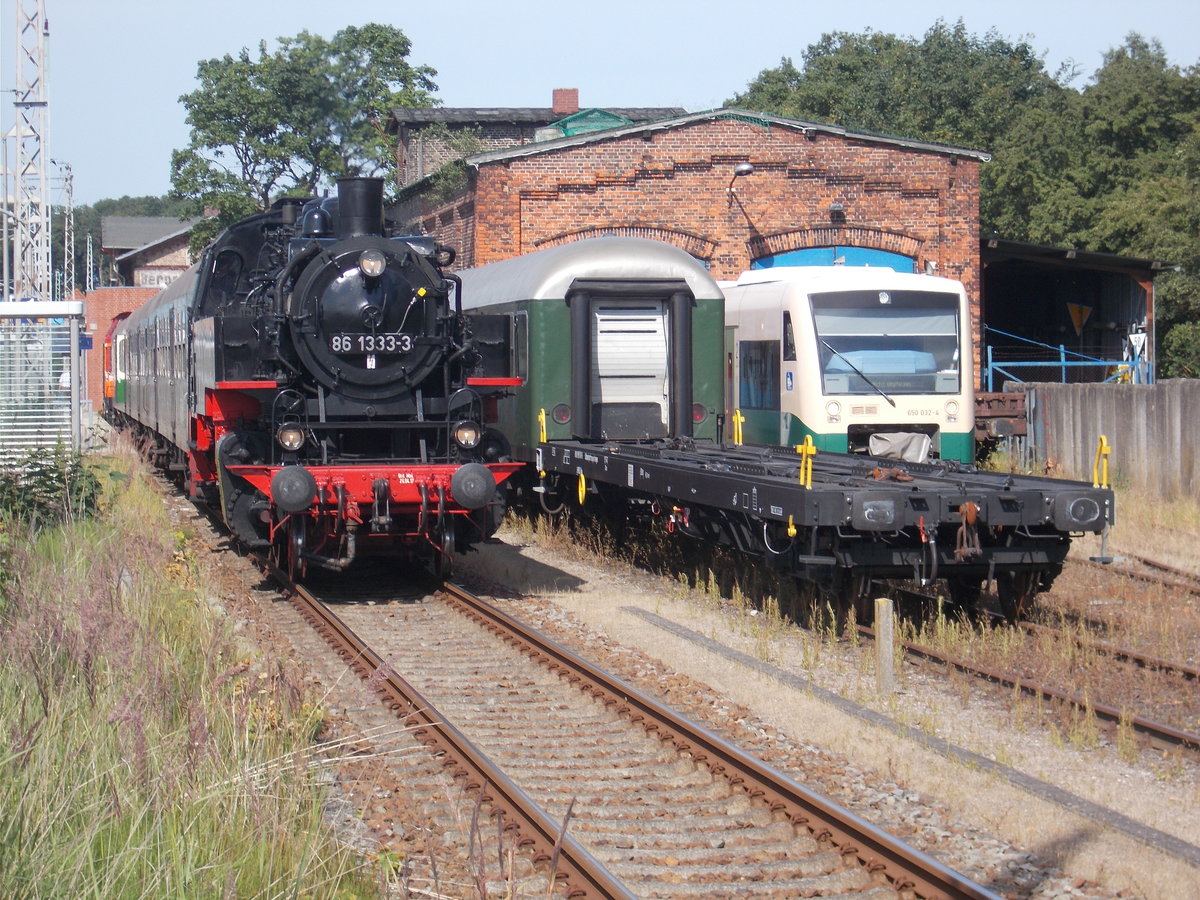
(443, 562)
(288, 553)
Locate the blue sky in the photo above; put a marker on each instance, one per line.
(118, 67)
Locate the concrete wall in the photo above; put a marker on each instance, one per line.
(1153, 430)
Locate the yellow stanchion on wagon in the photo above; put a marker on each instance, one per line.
(1100, 466)
(582, 488)
(738, 419)
(807, 451)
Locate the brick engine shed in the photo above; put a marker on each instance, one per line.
(813, 188)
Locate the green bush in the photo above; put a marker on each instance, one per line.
(145, 751)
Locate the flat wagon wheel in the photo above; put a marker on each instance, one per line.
(965, 591)
(1016, 591)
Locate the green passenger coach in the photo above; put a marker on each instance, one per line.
(612, 338)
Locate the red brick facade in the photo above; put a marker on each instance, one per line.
(100, 307)
(673, 181)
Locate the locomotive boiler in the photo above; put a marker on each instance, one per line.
(311, 379)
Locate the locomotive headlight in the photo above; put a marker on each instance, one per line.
(290, 436)
(467, 434)
(372, 263)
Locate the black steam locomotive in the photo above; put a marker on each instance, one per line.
(311, 379)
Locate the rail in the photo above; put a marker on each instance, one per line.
(904, 866)
(580, 874)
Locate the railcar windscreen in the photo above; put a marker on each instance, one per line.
(900, 342)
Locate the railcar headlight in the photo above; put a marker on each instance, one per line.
(467, 434)
(952, 410)
(290, 436)
(372, 263)
(833, 410)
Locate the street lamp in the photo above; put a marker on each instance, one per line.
(740, 170)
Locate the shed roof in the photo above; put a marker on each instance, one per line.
(181, 230)
(994, 250)
(133, 232)
(761, 119)
(529, 115)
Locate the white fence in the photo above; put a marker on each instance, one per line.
(40, 376)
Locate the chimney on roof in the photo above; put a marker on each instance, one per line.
(566, 101)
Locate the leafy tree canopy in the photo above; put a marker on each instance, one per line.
(950, 86)
(291, 120)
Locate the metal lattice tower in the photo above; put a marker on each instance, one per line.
(31, 272)
(68, 265)
(89, 282)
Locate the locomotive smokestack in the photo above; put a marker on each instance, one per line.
(360, 206)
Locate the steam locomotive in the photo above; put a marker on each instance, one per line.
(312, 380)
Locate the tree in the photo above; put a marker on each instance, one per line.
(292, 120)
(951, 86)
(1114, 167)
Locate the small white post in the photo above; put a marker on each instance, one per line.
(885, 675)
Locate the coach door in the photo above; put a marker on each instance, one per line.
(629, 378)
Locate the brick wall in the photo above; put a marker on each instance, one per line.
(673, 185)
(157, 265)
(100, 307)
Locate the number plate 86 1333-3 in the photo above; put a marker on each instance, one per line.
(344, 342)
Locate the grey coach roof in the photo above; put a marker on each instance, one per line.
(762, 119)
(548, 274)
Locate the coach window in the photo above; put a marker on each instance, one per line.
(758, 374)
(789, 340)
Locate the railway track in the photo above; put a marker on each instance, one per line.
(1121, 654)
(1152, 571)
(615, 794)
(1158, 734)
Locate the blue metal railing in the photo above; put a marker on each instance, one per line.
(1135, 370)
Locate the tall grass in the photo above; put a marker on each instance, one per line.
(143, 751)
